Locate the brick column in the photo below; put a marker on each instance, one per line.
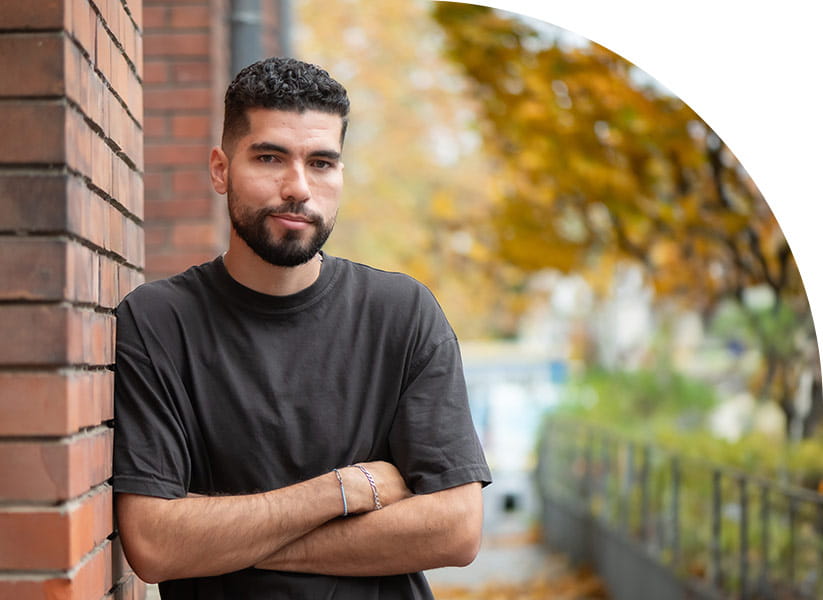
(186, 50)
(71, 245)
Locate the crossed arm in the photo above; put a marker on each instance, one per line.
(296, 529)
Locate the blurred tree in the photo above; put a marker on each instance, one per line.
(596, 162)
(416, 177)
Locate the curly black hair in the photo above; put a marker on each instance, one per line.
(281, 83)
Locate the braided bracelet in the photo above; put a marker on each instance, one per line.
(377, 505)
(342, 493)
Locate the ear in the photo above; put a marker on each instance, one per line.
(219, 170)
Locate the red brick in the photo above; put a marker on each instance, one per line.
(46, 269)
(135, 252)
(92, 579)
(59, 203)
(175, 44)
(156, 127)
(155, 17)
(163, 264)
(178, 154)
(32, 269)
(157, 234)
(54, 403)
(103, 51)
(109, 293)
(157, 182)
(31, 65)
(49, 471)
(128, 278)
(79, 144)
(102, 165)
(55, 538)
(187, 208)
(128, 188)
(190, 17)
(119, 73)
(34, 202)
(83, 25)
(191, 126)
(191, 180)
(33, 132)
(191, 72)
(135, 9)
(185, 98)
(134, 91)
(193, 235)
(51, 334)
(24, 14)
(82, 83)
(156, 72)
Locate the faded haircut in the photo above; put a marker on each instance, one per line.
(281, 83)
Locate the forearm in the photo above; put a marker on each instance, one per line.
(203, 536)
(421, 532)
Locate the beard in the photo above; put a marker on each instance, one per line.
(290, 250)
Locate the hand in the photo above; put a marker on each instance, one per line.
(390, 485)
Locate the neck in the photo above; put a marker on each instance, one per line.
(249, 269)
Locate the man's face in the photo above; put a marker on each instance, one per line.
(283, 180)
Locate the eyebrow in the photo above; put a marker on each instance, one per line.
(270, 147)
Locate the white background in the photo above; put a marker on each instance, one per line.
(751, 69)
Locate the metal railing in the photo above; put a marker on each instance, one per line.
(721, 532)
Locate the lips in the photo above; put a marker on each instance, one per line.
(291, 221)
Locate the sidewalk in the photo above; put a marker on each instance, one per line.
(514, 564)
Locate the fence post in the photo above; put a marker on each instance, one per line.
(675, 516)
(791, 553)
(744, 538)
(644, 494)
(717, 507)
(765, 515)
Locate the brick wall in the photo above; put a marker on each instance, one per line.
(71, 245)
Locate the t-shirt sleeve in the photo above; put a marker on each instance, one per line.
(150, 450)
(433, 440)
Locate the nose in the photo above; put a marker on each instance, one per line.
(294, 186)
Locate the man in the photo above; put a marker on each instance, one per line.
(289, 424)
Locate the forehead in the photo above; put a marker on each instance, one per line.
(292, 128)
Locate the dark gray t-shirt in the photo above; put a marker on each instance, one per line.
(222, 390)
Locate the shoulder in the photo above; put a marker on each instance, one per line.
(177, 292)
(396, 299)
(396, 289)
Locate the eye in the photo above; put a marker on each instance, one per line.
(322, 164)
(268, 158)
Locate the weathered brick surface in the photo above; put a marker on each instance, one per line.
(48, 14)
(54, 403)
(55, 538)
(32, 64)
(55, 335)
(58, 470)
(71, 245)
(91, 579)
